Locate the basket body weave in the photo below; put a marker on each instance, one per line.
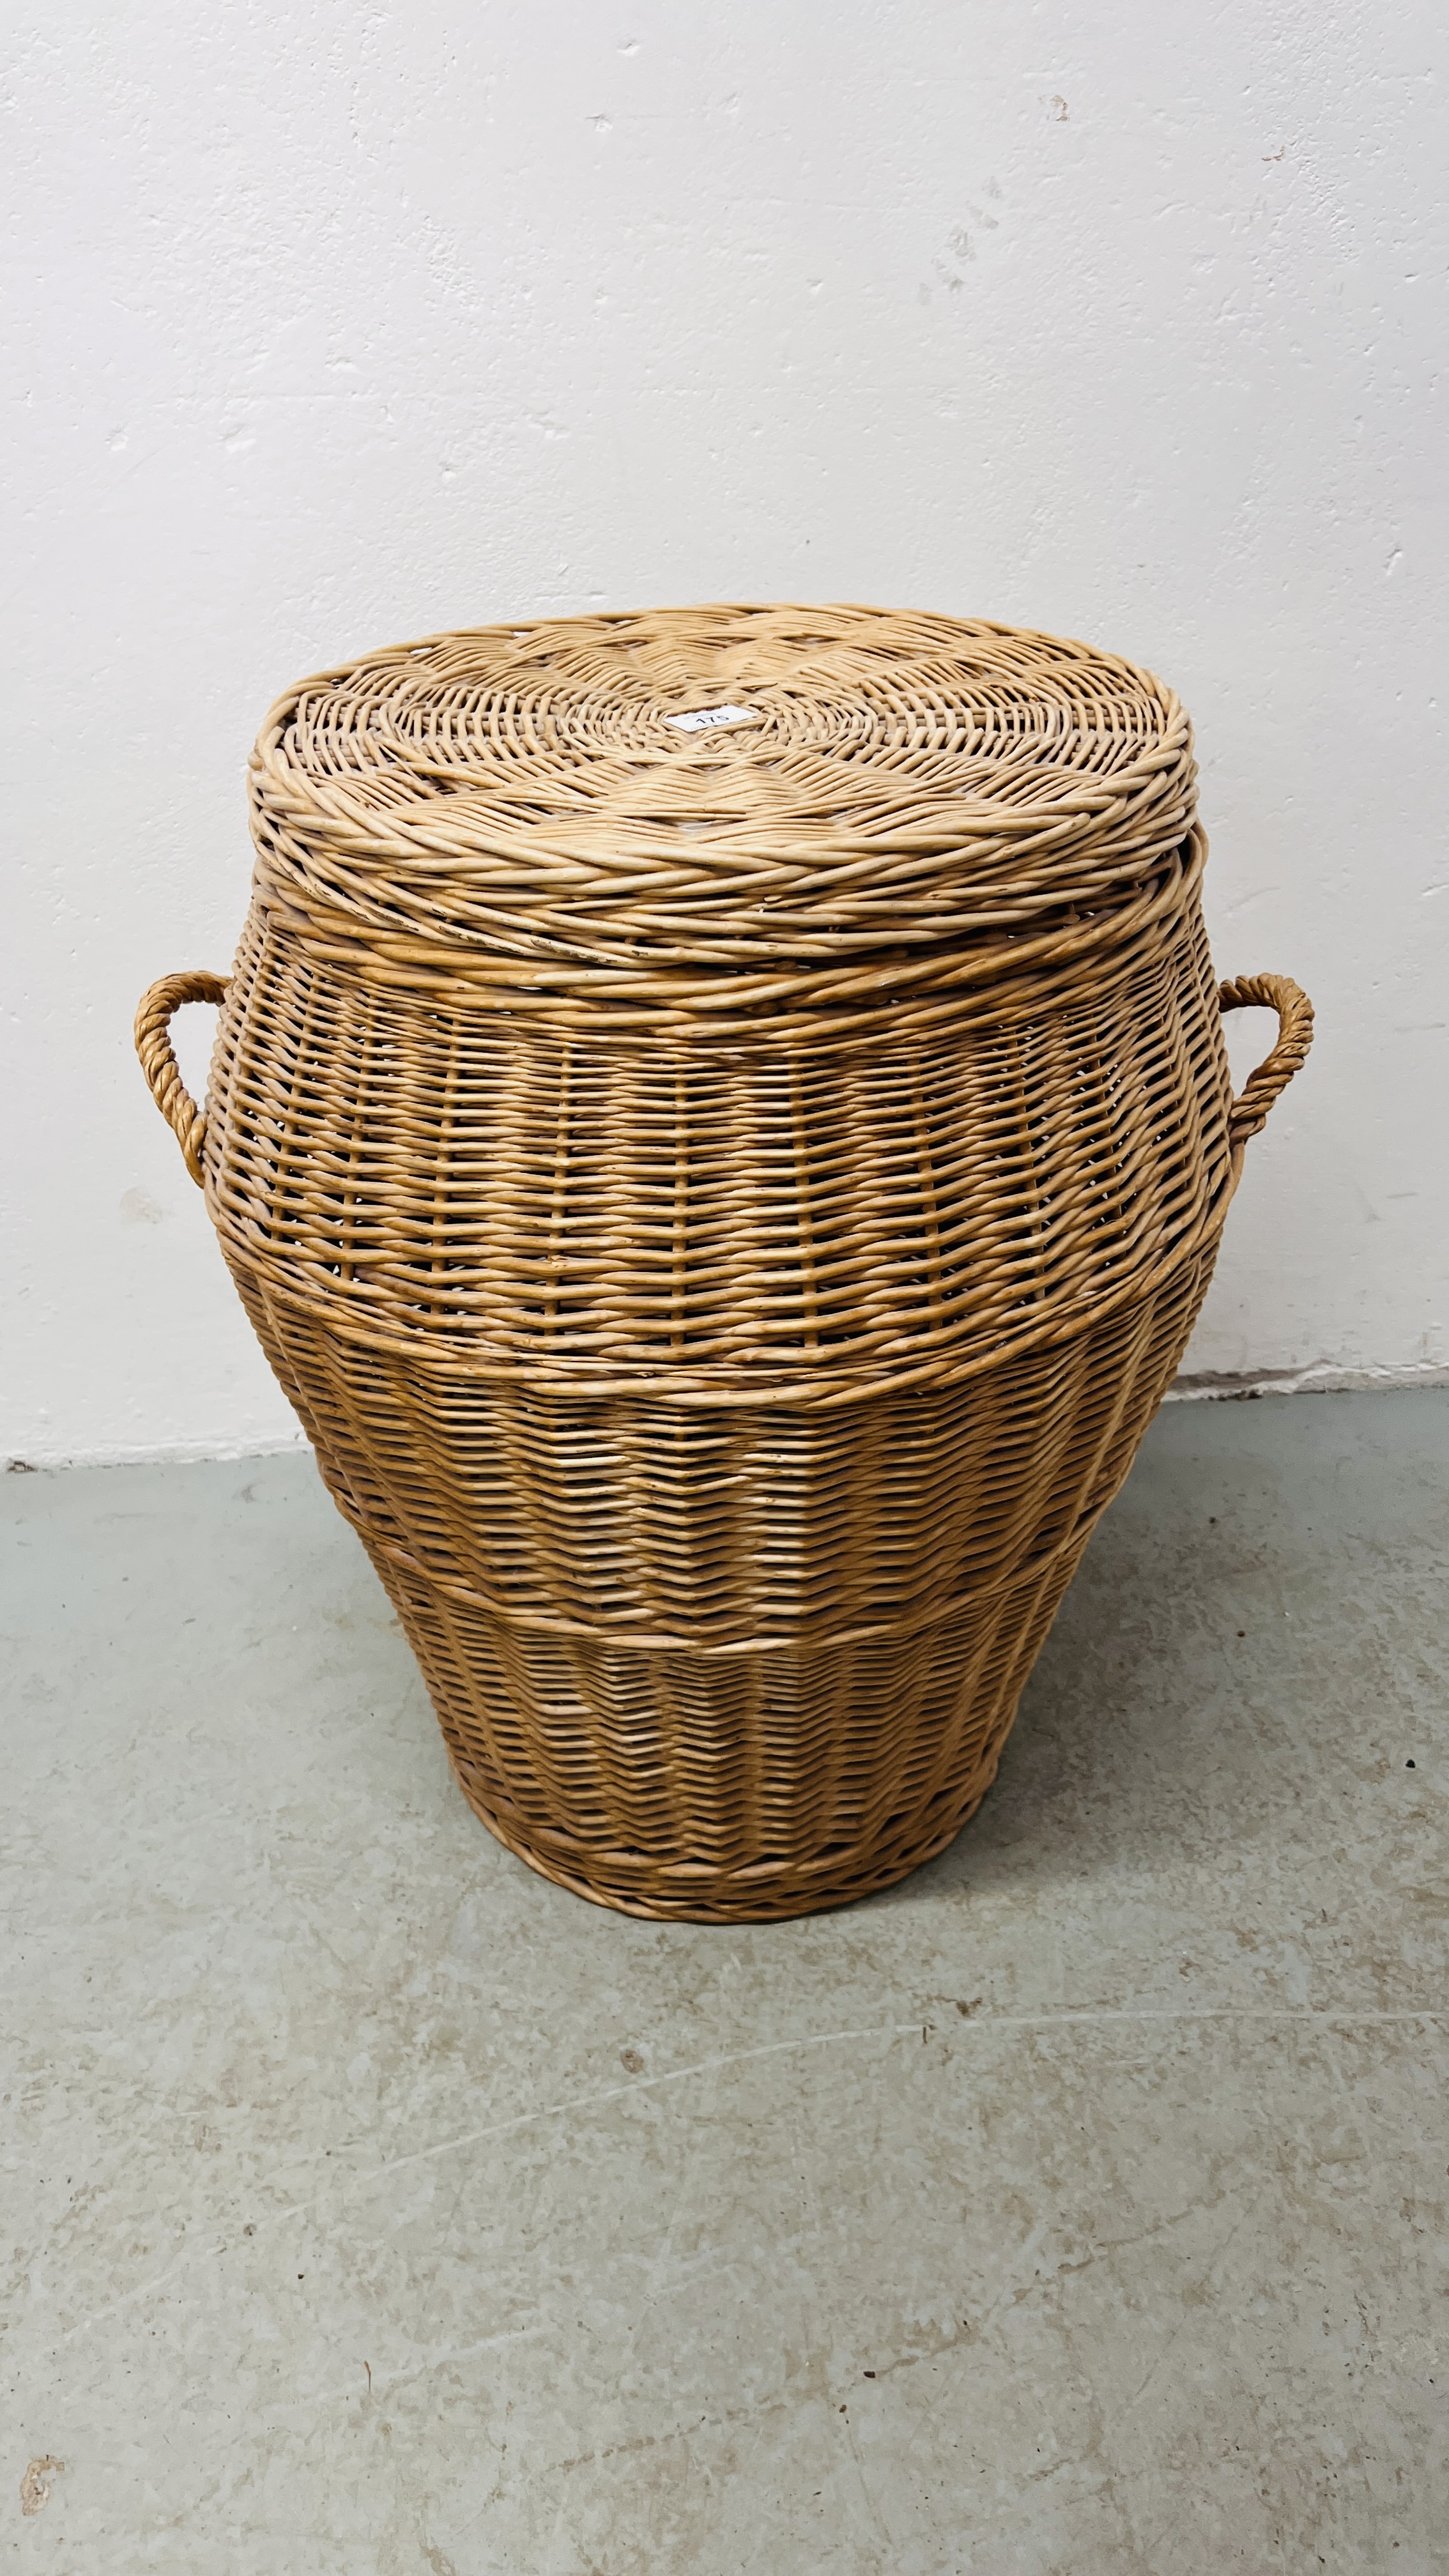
(725, 1200)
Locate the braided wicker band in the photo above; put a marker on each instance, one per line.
(720, 1122)
(909, 991)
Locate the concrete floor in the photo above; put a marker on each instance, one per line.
(1079, 2205)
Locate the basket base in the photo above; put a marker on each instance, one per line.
(729, 1671)
(767, 1893)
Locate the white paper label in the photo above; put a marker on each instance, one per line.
(704, 719)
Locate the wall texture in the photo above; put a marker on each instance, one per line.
(334, 324)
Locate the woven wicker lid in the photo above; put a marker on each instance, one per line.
(710, 786)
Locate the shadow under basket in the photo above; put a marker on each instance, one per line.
(724, 1198)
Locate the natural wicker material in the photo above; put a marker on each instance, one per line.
(724, 1200)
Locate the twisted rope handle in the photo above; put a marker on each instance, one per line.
(1295, 1036)
(159, 1065)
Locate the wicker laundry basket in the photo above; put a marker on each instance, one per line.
(720, 1123)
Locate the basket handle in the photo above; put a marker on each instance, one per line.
(1295, 1036)
(159, 1065)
